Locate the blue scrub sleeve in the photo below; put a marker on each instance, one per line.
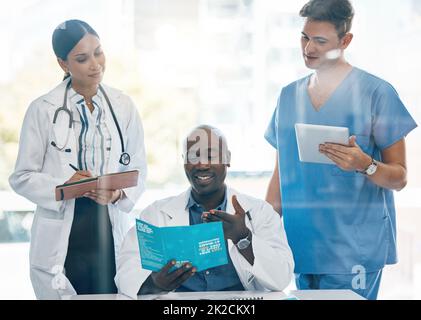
(272, 129)
(392, 121)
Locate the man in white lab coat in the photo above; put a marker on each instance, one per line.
(259, 254)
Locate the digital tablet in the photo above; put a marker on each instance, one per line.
(310, 136)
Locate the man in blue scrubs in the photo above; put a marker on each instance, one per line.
(340, 219)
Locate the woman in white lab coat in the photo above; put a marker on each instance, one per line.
(97, 130)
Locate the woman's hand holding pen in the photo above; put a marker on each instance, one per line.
(102, 197)
(234, 224)
(79, 175)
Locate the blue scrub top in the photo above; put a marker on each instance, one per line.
(336, 220)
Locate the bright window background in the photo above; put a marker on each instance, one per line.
(185, 62)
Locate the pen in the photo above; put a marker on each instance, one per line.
(73, 167)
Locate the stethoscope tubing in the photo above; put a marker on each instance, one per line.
(124, 158)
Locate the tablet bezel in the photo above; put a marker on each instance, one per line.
(310, 136)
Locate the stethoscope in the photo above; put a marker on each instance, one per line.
(124, 158)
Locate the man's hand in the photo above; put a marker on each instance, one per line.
(103, 197)
(234, 224)
(348, 158)
(168, 281)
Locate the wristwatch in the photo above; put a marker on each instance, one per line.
(244, 243)
(371, 169)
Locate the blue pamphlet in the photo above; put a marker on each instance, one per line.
(203, 245)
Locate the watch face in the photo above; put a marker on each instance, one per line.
(243, 243)
(371, 169)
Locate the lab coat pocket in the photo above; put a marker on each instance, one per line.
(57, 159)
(66, 158)
(45, 242)
(62, 143)
(64, 169)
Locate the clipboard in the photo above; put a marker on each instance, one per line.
(112, 181)
(310, 136)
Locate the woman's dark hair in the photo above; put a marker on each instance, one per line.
(338, 12)
(67, 35)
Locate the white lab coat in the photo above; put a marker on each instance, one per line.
(273, 264)
(40, 167)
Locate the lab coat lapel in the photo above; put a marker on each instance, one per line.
(61, 129)
(175, 210)
(229, 209)
(55, 96)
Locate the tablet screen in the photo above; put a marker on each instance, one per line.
(310, 136)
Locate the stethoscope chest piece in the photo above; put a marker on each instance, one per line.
(125, 159)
